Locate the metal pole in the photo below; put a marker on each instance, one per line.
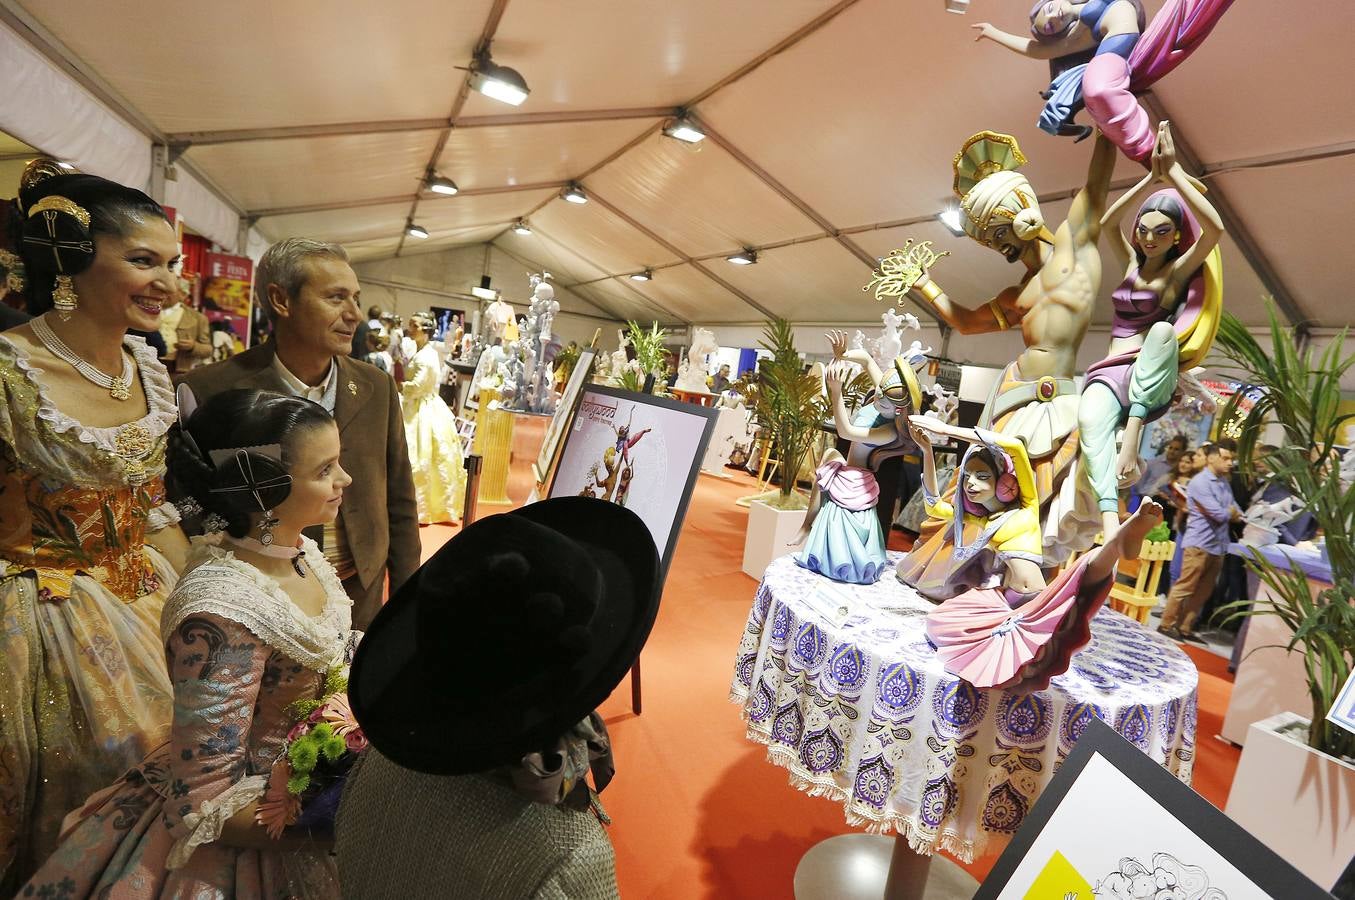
(473, 464)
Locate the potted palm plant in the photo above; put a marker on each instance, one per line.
(789, 407)
(1295, 784)
(642, 373)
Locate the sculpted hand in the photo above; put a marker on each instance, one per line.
(1164, 154)
(838, 373)
(837, 340)
(985, 30)
(920, 435)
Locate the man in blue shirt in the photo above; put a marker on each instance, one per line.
(1209, 510)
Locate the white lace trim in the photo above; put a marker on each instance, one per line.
(216, 581)
(204, 826)
(162, 516)
(154, 380)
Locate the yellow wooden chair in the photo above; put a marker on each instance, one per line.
(1138, 599)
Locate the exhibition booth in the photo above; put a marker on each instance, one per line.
(980, 391)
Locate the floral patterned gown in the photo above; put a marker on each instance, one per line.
(240, 653)
(434, 446)
(83, 688)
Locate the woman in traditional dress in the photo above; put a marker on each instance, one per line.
(1007, 629)
(88, 547)
(430, 430)
(1165, 314)
(258, 622)
(1101, 56)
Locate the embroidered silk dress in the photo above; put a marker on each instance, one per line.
(239, 653)
(434, 446)
(83, 688)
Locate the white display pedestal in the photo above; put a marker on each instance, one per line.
(1269, 680)
(770, 532)
(1296, 801)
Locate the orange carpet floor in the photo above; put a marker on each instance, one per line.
(697, 811)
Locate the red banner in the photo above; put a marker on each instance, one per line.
(226, 301)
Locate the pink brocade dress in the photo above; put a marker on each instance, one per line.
(239, 654)
(980, 637)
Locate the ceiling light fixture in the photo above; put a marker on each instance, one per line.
(684, 129)
(483, 290)
(646, 275)
(957, 6)
(439, 185)
(950, 217)
(574, 194)
(521, 227)
(498, 82)
(416, 231)
(746, 257)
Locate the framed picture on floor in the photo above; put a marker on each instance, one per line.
(564, 414)
(637, 450)
(1113, 823)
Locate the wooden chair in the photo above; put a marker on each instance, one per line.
(1138, 599)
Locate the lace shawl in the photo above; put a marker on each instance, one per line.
(215, 581)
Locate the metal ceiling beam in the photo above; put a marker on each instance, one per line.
(1283, 158)
(404, 198)
(662, 242)
(486, 38)
(462, 295)
(644, 299)
(184, 139)
(794, 200)
(1233, 223)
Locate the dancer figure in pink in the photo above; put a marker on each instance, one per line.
(1101, 56)
(1010, 630)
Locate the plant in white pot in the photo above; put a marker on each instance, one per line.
(788, 406)
(1295, 786)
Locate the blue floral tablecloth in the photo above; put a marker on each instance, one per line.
(842, 686)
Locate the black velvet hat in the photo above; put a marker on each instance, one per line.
(510, 634)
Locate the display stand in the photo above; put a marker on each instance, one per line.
(872, 866)
(700, 398)
(493, 444)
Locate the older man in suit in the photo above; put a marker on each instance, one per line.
(311, 294)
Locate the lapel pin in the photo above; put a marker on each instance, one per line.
(352, 389)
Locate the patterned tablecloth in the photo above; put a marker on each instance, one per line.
(842, 686)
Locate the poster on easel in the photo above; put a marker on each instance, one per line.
(564, 414)
(226, 297)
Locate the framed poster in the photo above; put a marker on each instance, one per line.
(1113, 823)
(564, 413)
(447, 321)
(226, 286)
(637, 450)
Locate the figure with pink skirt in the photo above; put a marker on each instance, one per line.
(1012, 630)
(1165, 315)
(1101, 57)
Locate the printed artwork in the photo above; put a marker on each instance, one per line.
(1113, 825)
(1342, 712)
(226, 285)
(447, 321)
(639, 451)
(550, 445)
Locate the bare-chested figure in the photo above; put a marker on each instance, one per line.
(1036, 398)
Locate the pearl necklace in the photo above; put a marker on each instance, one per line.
(292, 554)
(119, 387)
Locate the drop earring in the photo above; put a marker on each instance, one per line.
(266, 526)
(64, 298)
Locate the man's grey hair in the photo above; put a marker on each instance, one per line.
(283, 264)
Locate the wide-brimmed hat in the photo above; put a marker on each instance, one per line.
(510, 634)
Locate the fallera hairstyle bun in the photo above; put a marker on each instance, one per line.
(239, 420)
(62, 216)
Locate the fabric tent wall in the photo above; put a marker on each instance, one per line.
(43, 106)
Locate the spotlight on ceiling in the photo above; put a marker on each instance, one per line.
(646, 275)
(483, 290)
(416, 231)
(439, 185)
(498, 82)
(950, 217)
(745, 257)
(957, 6)
(574, 194)
(684, 129)
(521, 227)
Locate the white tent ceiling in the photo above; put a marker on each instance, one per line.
(831, 128)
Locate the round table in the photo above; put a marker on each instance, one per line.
(842, 686)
